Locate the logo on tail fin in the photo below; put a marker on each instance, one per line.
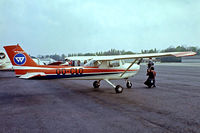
(19, 59)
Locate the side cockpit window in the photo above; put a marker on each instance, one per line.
(114, 63)
(93, 63)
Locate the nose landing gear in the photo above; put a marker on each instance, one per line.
(128, 84)
(96, 84)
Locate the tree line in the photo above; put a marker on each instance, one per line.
(174, 49)
(122, 52)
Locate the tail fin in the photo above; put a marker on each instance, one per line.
(18, 57)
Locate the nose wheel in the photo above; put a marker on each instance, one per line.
(128, 84)
(96, 84)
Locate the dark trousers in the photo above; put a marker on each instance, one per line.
(154, 81)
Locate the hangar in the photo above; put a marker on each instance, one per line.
(191, 59)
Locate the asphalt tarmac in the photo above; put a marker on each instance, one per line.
(73, 106)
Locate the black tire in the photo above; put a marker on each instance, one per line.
(96, 84)
(129, 84)
(119, 89)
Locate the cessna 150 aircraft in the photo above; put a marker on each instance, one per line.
(5, 63)
(98, 68)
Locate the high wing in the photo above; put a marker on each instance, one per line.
(140, 57)
(136, 56)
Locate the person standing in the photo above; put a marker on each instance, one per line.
(150, 63)
(78, 62)
(151, 73)
(73, 63)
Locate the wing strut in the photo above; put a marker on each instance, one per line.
(129, 67)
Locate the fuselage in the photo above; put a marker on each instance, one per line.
(79, 72)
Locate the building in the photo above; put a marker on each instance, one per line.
(191, 59)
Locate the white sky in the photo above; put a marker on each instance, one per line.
(72, 26)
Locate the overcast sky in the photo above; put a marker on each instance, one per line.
(72, 26)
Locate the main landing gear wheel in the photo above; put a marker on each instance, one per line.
(119, 89)
(96, 84)
(128, 84)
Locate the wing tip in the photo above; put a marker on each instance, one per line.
(188, 53)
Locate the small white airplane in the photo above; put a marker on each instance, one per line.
(98, 68)
(5, 63)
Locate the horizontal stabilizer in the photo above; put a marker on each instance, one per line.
(32, 75)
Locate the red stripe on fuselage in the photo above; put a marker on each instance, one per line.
(66, 70)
